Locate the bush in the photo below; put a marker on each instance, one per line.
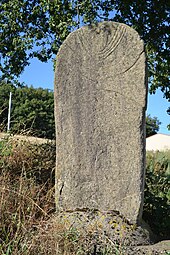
(157, 193)
(32, 110)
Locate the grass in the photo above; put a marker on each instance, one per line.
(28, 224)
(30, 227)
(26, 194)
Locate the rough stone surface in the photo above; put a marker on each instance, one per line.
(100, 101)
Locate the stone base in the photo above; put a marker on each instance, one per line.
(105, 231)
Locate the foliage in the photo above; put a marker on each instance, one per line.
(37, 29)
(157, 193)
(152, 125)
(168, 111)
(151, 19)
(32, 109)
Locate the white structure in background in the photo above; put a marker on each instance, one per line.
(159, 142)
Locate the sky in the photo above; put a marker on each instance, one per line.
(40, 74)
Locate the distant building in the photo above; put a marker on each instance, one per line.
(159, 142)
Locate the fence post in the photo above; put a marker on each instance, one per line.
(9, 111)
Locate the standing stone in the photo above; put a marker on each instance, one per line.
(100, 101)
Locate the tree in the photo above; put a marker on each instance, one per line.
(32, 110)
(37, 28)
(168, 111)
(152, 125)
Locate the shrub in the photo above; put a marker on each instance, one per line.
(32, 110)
(157, 193)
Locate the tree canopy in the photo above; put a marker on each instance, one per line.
(32, 110)
(37, 28)
(152, 125)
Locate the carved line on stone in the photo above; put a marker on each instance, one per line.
(113, 43)
(110, 47)
(110, 51)
(131, 66)
(135, 62)
(106, 42)
(70, 47)
(98, 154)
(80, 39)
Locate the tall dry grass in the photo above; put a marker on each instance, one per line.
(28, 224)
(26, 193)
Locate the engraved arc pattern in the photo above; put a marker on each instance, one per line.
(81, 39)
(110, 45)
(114, 42)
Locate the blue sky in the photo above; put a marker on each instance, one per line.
(41, 75)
